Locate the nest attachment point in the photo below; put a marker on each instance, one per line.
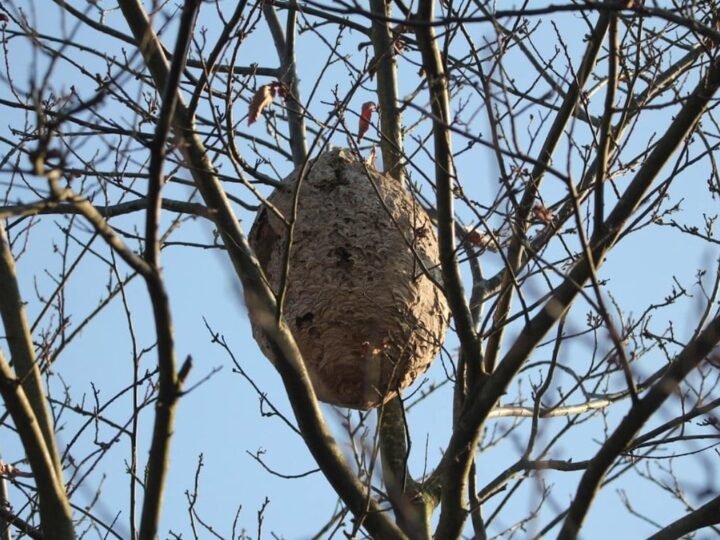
(360, 302)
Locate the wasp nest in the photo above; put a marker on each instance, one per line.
(360, 299)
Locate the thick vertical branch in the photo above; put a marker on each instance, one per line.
(411, 504)
(453, 489)
(285, 46)
(17, 333)
(24, 397)
(411, 510)
(169, 382)
(169, 388)
(5, 533)
(385, 67)
(603, 157)
(55, 513)
(444, 176)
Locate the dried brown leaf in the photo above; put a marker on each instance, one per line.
(543, 214)
(262, 98)
(479, 239)
(368, 108)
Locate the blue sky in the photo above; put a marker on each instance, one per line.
(221, 418)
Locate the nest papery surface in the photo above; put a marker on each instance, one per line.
(366, 316)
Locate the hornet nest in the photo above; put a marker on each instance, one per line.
(360, 302)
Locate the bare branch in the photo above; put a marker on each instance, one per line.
(17, 332)
(385, 67)
(708, 514)
(55, 513)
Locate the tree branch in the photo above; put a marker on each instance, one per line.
(385, 66)
(454, 486)
(287, 358)
(22, 352)
(7, 518)
(444, 176)
(705, 516)
(169, 381)
(285, 47)
(55, 513)
(53, 206)
(412, 505)
(156, 178)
